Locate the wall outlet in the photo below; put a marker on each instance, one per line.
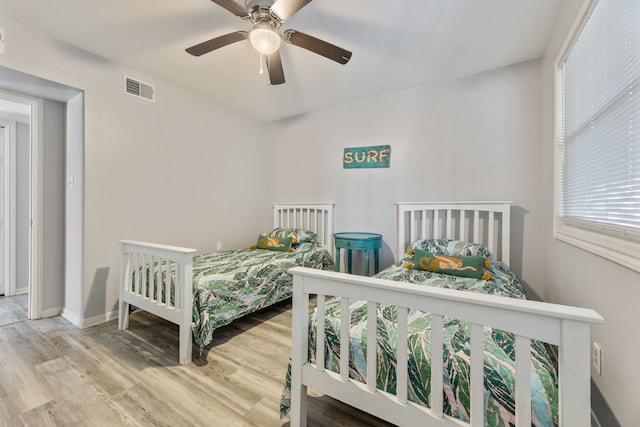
(219, 246)
(596, 357)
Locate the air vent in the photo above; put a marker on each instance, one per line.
(139, 89)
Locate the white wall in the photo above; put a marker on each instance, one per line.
(576, 277)
(475, 138)
(179, 171)
(53, 229)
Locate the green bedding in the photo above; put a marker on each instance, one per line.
(499, 366)
(231, 284)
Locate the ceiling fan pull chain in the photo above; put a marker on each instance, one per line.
(261, 62)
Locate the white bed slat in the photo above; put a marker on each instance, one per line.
(136, 276)
(490, 229)
(344, 338)
(436, 224)
(402, 355)
(412, 227)
(476, 226)
(177, 299)
(320, 310)
(476, 376)
(157, 279)
(372, 340)
(461, 225)
(140, 275)
(146, 289)
(437, 364)
(523, 381)
(448, 224)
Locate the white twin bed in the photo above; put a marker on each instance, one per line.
(211, 290)
(356, 380)
(494, 390)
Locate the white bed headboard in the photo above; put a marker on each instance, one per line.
(486, 223)
(316, 217)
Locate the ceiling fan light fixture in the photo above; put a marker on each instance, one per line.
(265, 39)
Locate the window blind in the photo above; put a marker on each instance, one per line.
(599, 126)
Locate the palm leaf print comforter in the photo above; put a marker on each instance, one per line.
(231, 284)
(499, 365)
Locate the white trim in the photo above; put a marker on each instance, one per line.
(594, 239)
(35, 200)
(9, 190)
(36, 209)
(623, 252)
(74, 318)
(51, 312)
(97, 320)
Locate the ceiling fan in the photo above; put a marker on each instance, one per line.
(267, 16)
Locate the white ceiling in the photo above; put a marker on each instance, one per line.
(396, 45)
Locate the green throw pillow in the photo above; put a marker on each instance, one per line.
(274, 243)
(463, 266)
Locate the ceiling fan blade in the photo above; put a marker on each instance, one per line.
(233, 7)
(285, 9)
(217, 43)
(318, 46)
(274, 65)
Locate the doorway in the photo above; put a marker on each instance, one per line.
(19, 202)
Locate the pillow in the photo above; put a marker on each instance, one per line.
(283, 244)
(301, 235)
(452, 247)
(463, 266)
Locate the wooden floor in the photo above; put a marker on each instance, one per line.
(54, 374)
(13, 309)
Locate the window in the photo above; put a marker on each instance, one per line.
(598, 134)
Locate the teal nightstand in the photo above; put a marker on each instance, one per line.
(366, 242)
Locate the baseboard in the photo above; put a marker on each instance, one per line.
(601, 413)
(72, 317)
(97, 320)
(51, 312)
(91, 321)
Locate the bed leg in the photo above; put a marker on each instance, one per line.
(298, 403)
(123, 315)
(186, 344)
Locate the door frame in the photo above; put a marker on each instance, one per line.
(35, 199)
(9, 214)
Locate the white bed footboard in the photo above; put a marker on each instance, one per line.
(563, 326)
(141, 284)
